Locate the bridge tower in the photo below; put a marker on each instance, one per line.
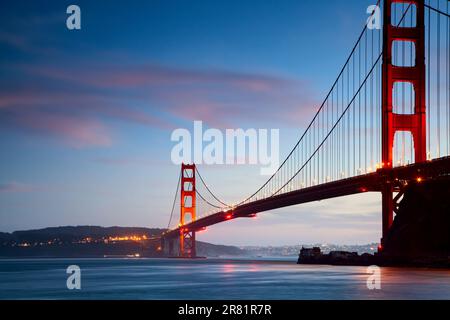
(188, 207)
(415, 75)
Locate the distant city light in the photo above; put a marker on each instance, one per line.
(127, 238)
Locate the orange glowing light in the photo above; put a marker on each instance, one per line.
(419, 179)
(128, 238)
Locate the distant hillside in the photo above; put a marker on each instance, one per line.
(214, 250)
(95, 241)
(4, 237)
(73, 233)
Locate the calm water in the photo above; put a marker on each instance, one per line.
(212, 279)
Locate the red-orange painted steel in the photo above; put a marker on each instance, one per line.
(393, 122)
(188, 207)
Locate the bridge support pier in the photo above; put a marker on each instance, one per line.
(180, 247)
(415, 75)
(170, 246)
(387, 205)
(187, 244)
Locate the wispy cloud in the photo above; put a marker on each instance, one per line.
(76, 132)
(16, 187)
(75, 103)
(125, 161)
(77, 119)
(214, 96)
(113, 76)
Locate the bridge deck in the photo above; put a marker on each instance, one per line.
(359, 184)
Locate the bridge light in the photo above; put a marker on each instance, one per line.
(419, 179)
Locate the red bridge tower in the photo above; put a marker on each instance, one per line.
(188, 203)
(415, 75)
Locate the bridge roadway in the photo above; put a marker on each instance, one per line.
(371, 182)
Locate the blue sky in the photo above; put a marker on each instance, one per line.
(86, 116)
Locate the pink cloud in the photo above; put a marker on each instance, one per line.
(15, 187)
(85, 103)
(154, 75)
(291, 106)
(215, 96)
(151, 96)
(126, 161)
(76, 132)
(78, 120)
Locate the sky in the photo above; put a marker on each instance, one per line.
(86, 115)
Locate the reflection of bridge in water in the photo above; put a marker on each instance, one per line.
(383, 126)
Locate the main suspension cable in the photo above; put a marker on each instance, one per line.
(209, 190)
(318, 111)
(174, 201)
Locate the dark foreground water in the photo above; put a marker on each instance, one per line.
(212, 279)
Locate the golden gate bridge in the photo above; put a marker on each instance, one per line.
(383, 126)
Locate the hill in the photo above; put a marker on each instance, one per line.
(94, 241)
